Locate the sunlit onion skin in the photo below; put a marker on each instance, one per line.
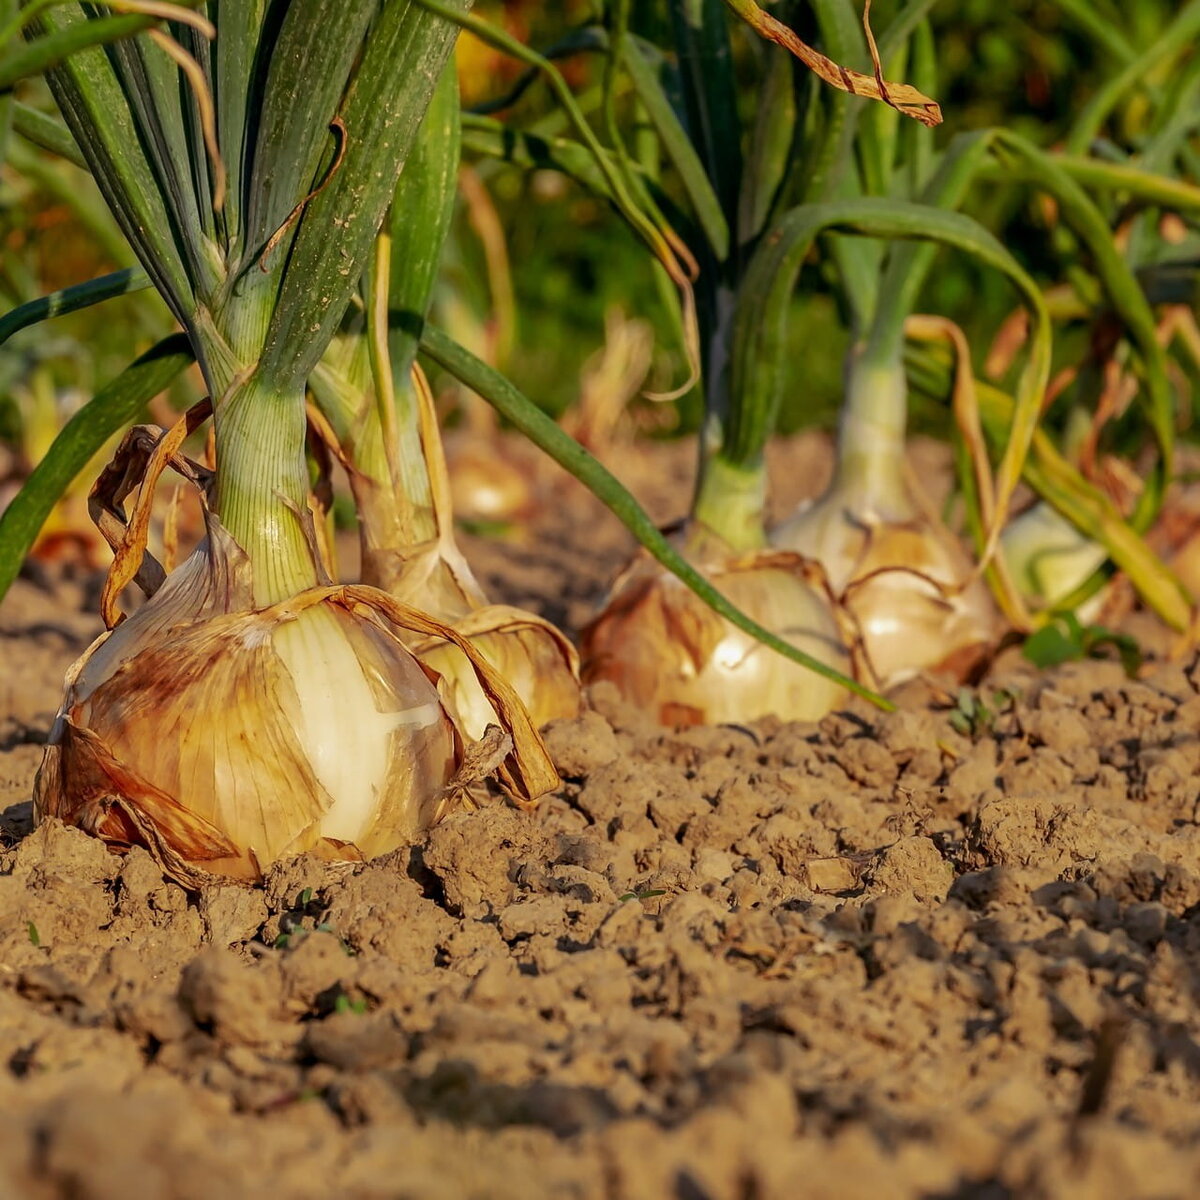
(901, 582)
(223, 738)
(901, 575)
(671, 655)
(534, 656)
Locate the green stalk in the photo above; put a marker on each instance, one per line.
(761, 334)
(72, 299)
(702, 46)
(908, 265)
(262, 486)
(730, 501)
(363, 386)
(872, 433)
(730, 490)
(422, 211)
(388, 502)
(1142, 186)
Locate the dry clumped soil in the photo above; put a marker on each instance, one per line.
(868, 957)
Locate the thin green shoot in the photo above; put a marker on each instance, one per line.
(1067, 639)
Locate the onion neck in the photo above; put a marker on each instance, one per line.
(729, 502)
(402, 511)
(262, 485)
(390, 479)
(871, 437)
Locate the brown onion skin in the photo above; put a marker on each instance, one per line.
(669, 654)
(190, 748)
(905, 583)
(535, 657)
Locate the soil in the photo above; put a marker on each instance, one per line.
(871, 957)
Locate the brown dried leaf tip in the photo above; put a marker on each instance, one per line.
(903, 97)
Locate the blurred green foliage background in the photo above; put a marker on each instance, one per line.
(566, 259)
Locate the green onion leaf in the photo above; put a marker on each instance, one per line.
(109, 411)
(72, 299)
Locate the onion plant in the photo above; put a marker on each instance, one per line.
(668, 652)
(377, 411)
(910, 591)
(122, 399)
(894, 570)
(228, 163)
(250, 162)
(1143, 171)
(255, 218)
(914, 595)
(754, 206)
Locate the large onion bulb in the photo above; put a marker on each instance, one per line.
(223, 738)
(671, 655)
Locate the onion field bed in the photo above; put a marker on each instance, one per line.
(931, 953)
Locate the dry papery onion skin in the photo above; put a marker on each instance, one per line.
(672, 656)
(906, 585)
(223, 738)
(532, 654)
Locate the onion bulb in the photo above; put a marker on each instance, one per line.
(904, 581)
(1049, 558)
(223, 737)
(671, 655)
(533, 655)
(487, 484)
(530, 653)
(901, 576)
